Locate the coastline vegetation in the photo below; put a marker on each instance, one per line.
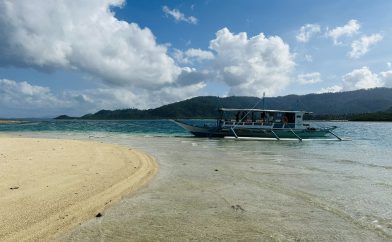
(360, 105)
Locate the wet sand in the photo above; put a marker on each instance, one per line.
(48, 186)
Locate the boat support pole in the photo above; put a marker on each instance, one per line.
(340, 139)
(296, 135)
(232, 130)
(276, 136)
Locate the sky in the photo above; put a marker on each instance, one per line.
(79, 56)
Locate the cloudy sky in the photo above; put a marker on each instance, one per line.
(79, 56)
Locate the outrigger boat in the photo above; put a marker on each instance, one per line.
(259, 123)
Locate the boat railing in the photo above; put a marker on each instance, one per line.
(283, 125)
(275, 125)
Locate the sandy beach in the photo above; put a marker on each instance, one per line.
(6, 121)
(48, 186)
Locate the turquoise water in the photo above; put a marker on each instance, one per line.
(136, 127)
(219, 189)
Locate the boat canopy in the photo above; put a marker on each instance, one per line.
(259, 110)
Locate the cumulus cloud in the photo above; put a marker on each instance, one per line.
(91, 100)
(191, 55)
(386, 77)
(171, 94)
(335, 88)
(307, 31)
(309, 78)
(23, 93)
(19, 98)
(361, 46)
(190, 76)
(350, 28)
(178, 16)
(361, 78)
(136, 70)
(86, 36)
(251, 66)
(199, 54)
(22, 99)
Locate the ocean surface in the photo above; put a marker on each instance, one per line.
(230, 190)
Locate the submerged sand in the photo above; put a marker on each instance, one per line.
(48, 186)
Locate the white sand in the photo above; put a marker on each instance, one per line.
(48, 186)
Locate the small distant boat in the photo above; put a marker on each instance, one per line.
(259, 123)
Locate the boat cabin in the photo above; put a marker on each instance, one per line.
(261, 117)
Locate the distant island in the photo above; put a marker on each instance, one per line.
(360, 105)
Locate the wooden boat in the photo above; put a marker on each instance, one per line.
(259, 123)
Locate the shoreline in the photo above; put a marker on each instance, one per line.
(47, 186)
(9, 121)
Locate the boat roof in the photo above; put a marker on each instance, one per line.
(259, 110)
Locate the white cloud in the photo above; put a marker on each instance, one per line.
(361, 46)
(251, 66)
(171, 94)
(91, 100)
(386, 77)
(178, 16)
(335, 88)
(86, 36)
(361, 78)
(352, 27)
(309, 78)
(307, 31)
(114, 98)
(20, 98)
(199, 54)
(389, 64)
(191, 55)
(309, 58)
(23, 93)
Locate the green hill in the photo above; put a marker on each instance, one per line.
(375, 116)
(341, 104)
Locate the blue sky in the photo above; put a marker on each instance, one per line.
(75, 57)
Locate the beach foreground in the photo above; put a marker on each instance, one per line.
(48, 185)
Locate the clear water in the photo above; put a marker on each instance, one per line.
(135, 127)
(219, 189)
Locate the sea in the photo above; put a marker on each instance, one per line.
(237, 190)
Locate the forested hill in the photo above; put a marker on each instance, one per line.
(341, 103)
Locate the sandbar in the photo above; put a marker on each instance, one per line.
(6, 121)
(48, 186)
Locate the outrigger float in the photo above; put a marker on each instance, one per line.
(261, 124)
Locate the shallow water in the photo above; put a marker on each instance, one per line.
(218, 189)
